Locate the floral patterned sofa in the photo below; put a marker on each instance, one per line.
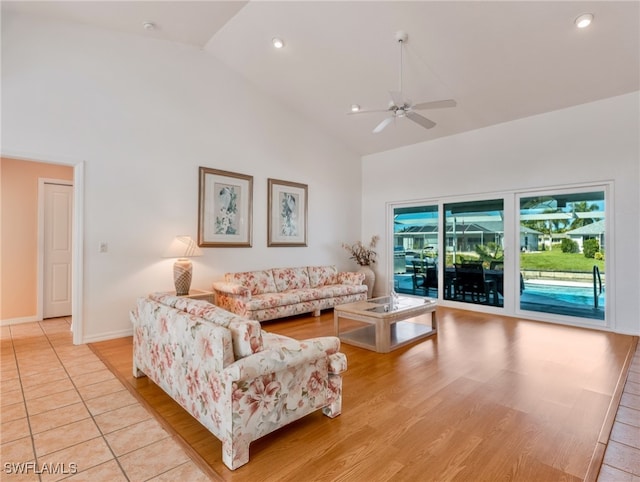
(237, 380)
(279, 292)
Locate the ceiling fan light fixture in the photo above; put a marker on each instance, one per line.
(402, 36)
(399, 106)
(584, 20)
(277, 42)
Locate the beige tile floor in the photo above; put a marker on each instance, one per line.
(63, 410)
(64, 415)
(622, 457)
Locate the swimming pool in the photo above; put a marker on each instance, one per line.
(544, 296)
(576, 294)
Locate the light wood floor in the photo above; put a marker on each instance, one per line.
(489, 398)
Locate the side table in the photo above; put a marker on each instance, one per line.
(198, 295)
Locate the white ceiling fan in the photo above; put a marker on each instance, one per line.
(399, 107)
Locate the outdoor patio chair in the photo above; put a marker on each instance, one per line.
(431, 277)
(496, 264)
(419, 276)
(470, 280)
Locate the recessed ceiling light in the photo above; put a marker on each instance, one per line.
(149, 25)
(355, 107)
(277, 43)
(584, 20)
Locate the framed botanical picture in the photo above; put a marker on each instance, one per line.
(225, 206)
(287, 213)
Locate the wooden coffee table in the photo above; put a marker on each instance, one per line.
(380, 325)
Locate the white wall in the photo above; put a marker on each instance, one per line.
(143, 115)
(588, 143)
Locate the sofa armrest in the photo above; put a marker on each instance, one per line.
(271, 361)
(232, 289)
(350, 278)
(327, 344)
(337, 363)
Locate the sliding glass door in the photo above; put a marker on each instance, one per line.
(555, 241)
(474, 247)
(562, 253)
(415, 250)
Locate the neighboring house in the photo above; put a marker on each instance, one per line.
(529, 239)
(588, 231)
(417, 237)
(467, 236)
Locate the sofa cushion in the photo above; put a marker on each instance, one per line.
(258, 282)
(310, 294)
(342, 290)
(272, 300)
(246, 334)
(287, 279)
(350, 278)
(322, 275)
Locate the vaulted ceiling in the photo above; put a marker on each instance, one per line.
(500, 61)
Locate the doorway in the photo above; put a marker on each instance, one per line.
(26, 162)
(56, 233)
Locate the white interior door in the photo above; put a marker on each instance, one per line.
(58, 215)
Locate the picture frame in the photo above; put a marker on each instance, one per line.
(225, 208)
(287, 208)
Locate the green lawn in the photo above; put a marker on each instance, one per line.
(556, 260)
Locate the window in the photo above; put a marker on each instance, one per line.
(562, 259)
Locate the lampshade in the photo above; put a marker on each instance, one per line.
(182, 247)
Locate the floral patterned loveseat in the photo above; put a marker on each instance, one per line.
(279, 292)
(237, 380)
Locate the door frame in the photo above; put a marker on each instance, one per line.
(609, 310)
(40, 241)
(77, 256)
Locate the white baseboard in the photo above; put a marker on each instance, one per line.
(107, 336)
(16, 321)
(87, 339)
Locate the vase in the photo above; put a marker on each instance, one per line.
(369, 279)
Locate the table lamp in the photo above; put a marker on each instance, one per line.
(182, 247)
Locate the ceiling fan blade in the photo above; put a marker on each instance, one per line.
(437, 104)
(396, 97)
(366, 111)
(423, 121)
(382, 125)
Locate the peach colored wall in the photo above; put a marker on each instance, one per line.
(19, 233)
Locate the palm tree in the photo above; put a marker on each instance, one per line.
(582, 207)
